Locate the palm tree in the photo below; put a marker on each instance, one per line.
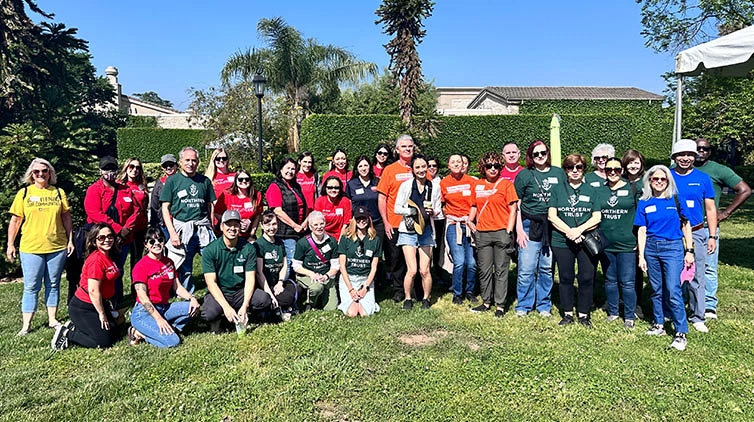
(296, 68)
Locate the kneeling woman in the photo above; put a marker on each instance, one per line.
(272, 267)
(92, 324)
(154, 318)
(360, 250)
(316, 263)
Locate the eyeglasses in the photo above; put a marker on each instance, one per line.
(537, 154)
(616, 170)
(704, 149)
(221, 158)
(496, 166)
(103, 237)
(154, 240)
(168, 166)
(42, 171)
(601, 158)
(332, 187)
(382, 153)
(577, 167)
(132, 166)
(243, 179)
(659, 179)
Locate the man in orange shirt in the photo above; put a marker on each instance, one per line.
(391, 179)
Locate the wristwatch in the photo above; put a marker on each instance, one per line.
(689, 250)
(714, 237)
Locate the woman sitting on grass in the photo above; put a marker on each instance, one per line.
(272, 267)
(92, 324)
(316, 263)
(154, 318)
(360, 250)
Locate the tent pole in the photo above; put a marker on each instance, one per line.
(678, 109)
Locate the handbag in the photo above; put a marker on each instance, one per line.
(595, 242)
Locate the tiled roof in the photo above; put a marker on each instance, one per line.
(571, 93)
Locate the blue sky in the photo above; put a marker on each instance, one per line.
(169, 46)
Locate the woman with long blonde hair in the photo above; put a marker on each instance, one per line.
(359, 252)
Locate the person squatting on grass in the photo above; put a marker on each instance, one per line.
(316, 263)
(154, 318)
(359, 252)
(272, 266)
(42, 211)
(92, 322)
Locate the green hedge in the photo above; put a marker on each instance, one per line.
(149, 144)
(475, 135)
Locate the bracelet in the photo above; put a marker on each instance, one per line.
(689, 250)
(350, 290)
(714, 237)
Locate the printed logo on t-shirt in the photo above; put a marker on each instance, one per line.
(613, 200)
(573, 199)
(272, 255)
(193, 190)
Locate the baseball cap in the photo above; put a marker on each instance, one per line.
(168, 158)
(360, 211)
(108, 162)
(231, 215)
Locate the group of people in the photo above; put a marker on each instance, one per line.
(326, 241)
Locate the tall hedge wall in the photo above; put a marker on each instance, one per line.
(149, 144)
(475, 135)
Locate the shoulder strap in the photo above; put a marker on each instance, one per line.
(499, 179)
(25, 189)
(541, 192)
(316, 249)
(678, 207)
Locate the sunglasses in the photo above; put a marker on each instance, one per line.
(577, 167)
(496, 166)
(154, 240)
(704, 149)
(168, 165)
(132, 166)
(243, 179)
(332, 187)
(104, 237)
(659, 179)
(601, 158)
(382, 153)
(43, 171)
(221, 158)
(537, 154)
(616, 170)
(432, 166)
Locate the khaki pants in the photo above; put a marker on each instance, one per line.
(319, 294)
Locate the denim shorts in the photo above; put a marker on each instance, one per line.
(416, 240)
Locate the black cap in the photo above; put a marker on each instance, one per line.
(360, 211)
(108, 161)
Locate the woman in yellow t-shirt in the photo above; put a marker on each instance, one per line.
(41, 212)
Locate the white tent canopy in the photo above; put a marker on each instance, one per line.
(730, 55)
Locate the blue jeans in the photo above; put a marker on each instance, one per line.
(37, 268)
(621, 269)
(290, 249)
(696, 287)
(534, 276)
(463, 259)
(710, 275)
(187, 267)
(176, 313)
(664, 264)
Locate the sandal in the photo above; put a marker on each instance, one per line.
(133, 337)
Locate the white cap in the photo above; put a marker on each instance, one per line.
(683, 145)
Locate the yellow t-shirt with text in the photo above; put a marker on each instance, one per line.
(41, 210)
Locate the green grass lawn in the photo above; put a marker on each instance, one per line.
(441, 364)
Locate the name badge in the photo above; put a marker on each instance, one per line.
(127, 199)
(338, 211)
(238, 268)
(479, 187)
(622, 193)
(690, 203)
(584, 198)
(231, 178)
(553, 180)
(402, 177)
(247, 205)
(34, 199)
(326, 248)
(171, 275)
(650, 209)
(595, 184)
(182, 193)
(466, 193)
(360, 191)
(369, 253)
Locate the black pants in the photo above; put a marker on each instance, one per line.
(396, 262)
(287, 298)
(565, 259)
(211, 309)
(137, 248)
(87, 330)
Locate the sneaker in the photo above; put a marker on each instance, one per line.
(611, 318)
(426, 304)
(24, 332)
(60, 338)
(699, 326)
(629, 324)
(710, 314)
(545, 314)
(586, 321)
(458, 300)
(520, 314)
(215, 326)
(656, 330)
(479, 309)
(567, 320)
(471, 298)
(679, 342)
(408, 305)
(285, 316)
(499, 313)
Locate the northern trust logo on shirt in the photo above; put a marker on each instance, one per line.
(193, 190)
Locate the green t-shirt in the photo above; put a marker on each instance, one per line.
(618, 208)
(596, 182)
(575, 207)
(359, 254)
(721, 176)
(310, 260)
(535, 188)
(189, 197)
(229, 264)
(273, 258)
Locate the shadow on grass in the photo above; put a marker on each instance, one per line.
(737, 252)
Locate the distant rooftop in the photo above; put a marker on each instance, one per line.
(571, 93)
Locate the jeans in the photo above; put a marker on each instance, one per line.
(621, 270)
(696, 287)
(176, 314)
(566, 258)
(534, 276)
(187, 267)
(463, 259)
(290, 249)
(494, 261)
(664, 263)
(37, 268)
(710, 275)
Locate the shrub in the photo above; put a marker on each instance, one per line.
(149, 144)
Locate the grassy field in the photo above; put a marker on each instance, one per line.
(441, 364)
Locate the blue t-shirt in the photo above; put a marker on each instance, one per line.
(693, 189)
(660, 217)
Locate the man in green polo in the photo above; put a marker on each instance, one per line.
(229, 264)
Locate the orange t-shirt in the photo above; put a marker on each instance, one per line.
(392, 178)
(498, 199)
(456, 194)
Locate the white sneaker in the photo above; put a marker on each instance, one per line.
(611, 318)
(699, 326)
(545, 314)
(520, 314)
(679, 342)
(710, 314)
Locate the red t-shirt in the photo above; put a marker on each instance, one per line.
(158, 275)
(141, 197)
(456, 194)
(377, 170)
(244, 206)
(275, 200)
(498, 198)
(510, 175)
(337, 215)
(309, 187)
(98, 266)
(344, 177)
(222, 181)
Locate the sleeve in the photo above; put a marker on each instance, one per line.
(93, 269)
(401, 199)
(557, 191)
(17, 208)
(93, 206)
(65, 206)
(318, 203)
(377, 247)
(520, 183)
(640, 219)
(138, 274)
(251, 262)
(299, 254)
(382, 185)
(342, 248)
(210, 190)
(729, 177)
(260, 204)
(510, 193)
(208, 261)
(166, 194)
(220, 205)
(347, 191)
(709, 191)
(131, 220)
(274, 196)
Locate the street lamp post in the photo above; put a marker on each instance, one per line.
(258, 80)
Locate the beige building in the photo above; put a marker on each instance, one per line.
(167, 118)
(465, 101)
